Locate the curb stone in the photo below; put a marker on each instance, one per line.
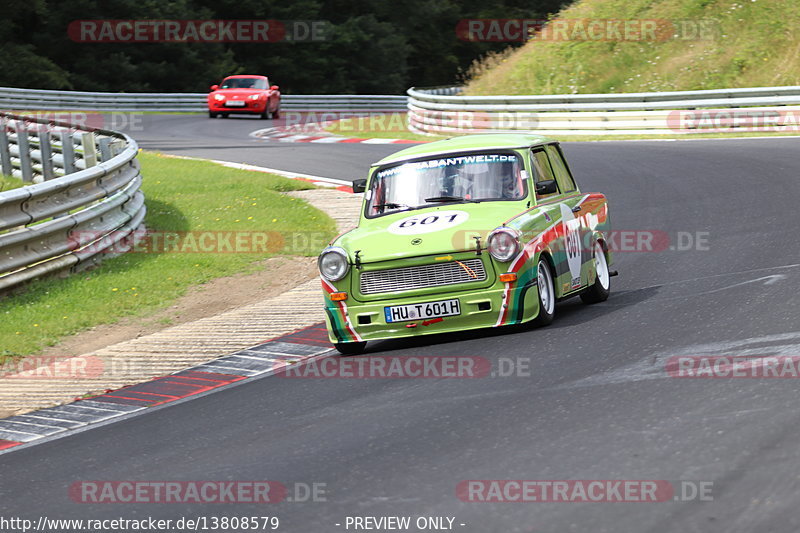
(218, 351)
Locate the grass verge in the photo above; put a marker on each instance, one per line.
(7, 183)
(182, 196)
(711, 44)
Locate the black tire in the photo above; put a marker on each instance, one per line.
(223, 115)
(276, 113)
(211, 114)
(265, 115)
(547, 309)
(350, 348)
(601, 288)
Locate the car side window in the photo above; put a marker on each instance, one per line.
(564, 178)
(542, 170)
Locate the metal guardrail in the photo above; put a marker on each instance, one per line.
(437, 111)
(46, 100)
(80, 196)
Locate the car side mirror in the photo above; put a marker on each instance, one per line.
(214, 88)
(273, 88)
(359, 186)
(546, 187)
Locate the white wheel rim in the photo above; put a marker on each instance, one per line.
(545, 288)
(600, 265)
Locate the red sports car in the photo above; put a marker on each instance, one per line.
(246, 94)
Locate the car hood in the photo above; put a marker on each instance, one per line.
(240, 91)
(448, 228)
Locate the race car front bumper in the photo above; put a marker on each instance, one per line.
(500, 304)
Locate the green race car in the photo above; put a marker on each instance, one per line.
(470, 232)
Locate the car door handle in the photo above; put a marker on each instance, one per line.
(576, 209)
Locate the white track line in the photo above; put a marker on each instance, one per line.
(321, 180)
(318, 180)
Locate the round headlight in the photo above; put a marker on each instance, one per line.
(219, 97)
(333, 264)
(503, 244)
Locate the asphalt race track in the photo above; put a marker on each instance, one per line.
(596, 402)
(228, 140)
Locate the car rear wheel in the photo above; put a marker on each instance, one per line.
(601, 288)
(547, 294)
(223, 115)
(276, 113)
(211, 114)
(350, 348)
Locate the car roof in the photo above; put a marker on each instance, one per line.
(245, 76)
(466, 143)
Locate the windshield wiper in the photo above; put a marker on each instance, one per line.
(390, 205)
(445, 199)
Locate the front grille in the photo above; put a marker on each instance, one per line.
(421, 277)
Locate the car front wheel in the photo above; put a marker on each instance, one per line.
(601, 288)
(211, 114)
(547, 294)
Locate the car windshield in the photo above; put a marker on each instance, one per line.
(455, 178)
(244, 83)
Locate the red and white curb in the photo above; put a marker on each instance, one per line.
(262, 360)
(315, 133)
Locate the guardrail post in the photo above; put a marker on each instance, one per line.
(105, 148)
(25, 164)
(117, 147)
(89, 149)
(46, 149)
(5, 153)
(68, 151)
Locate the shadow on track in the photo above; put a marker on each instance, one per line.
(568, 313)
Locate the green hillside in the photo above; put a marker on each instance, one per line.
(742, 43)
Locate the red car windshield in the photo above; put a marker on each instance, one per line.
(244, 83)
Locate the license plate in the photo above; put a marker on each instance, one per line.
(405, 313)
(235, 103)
